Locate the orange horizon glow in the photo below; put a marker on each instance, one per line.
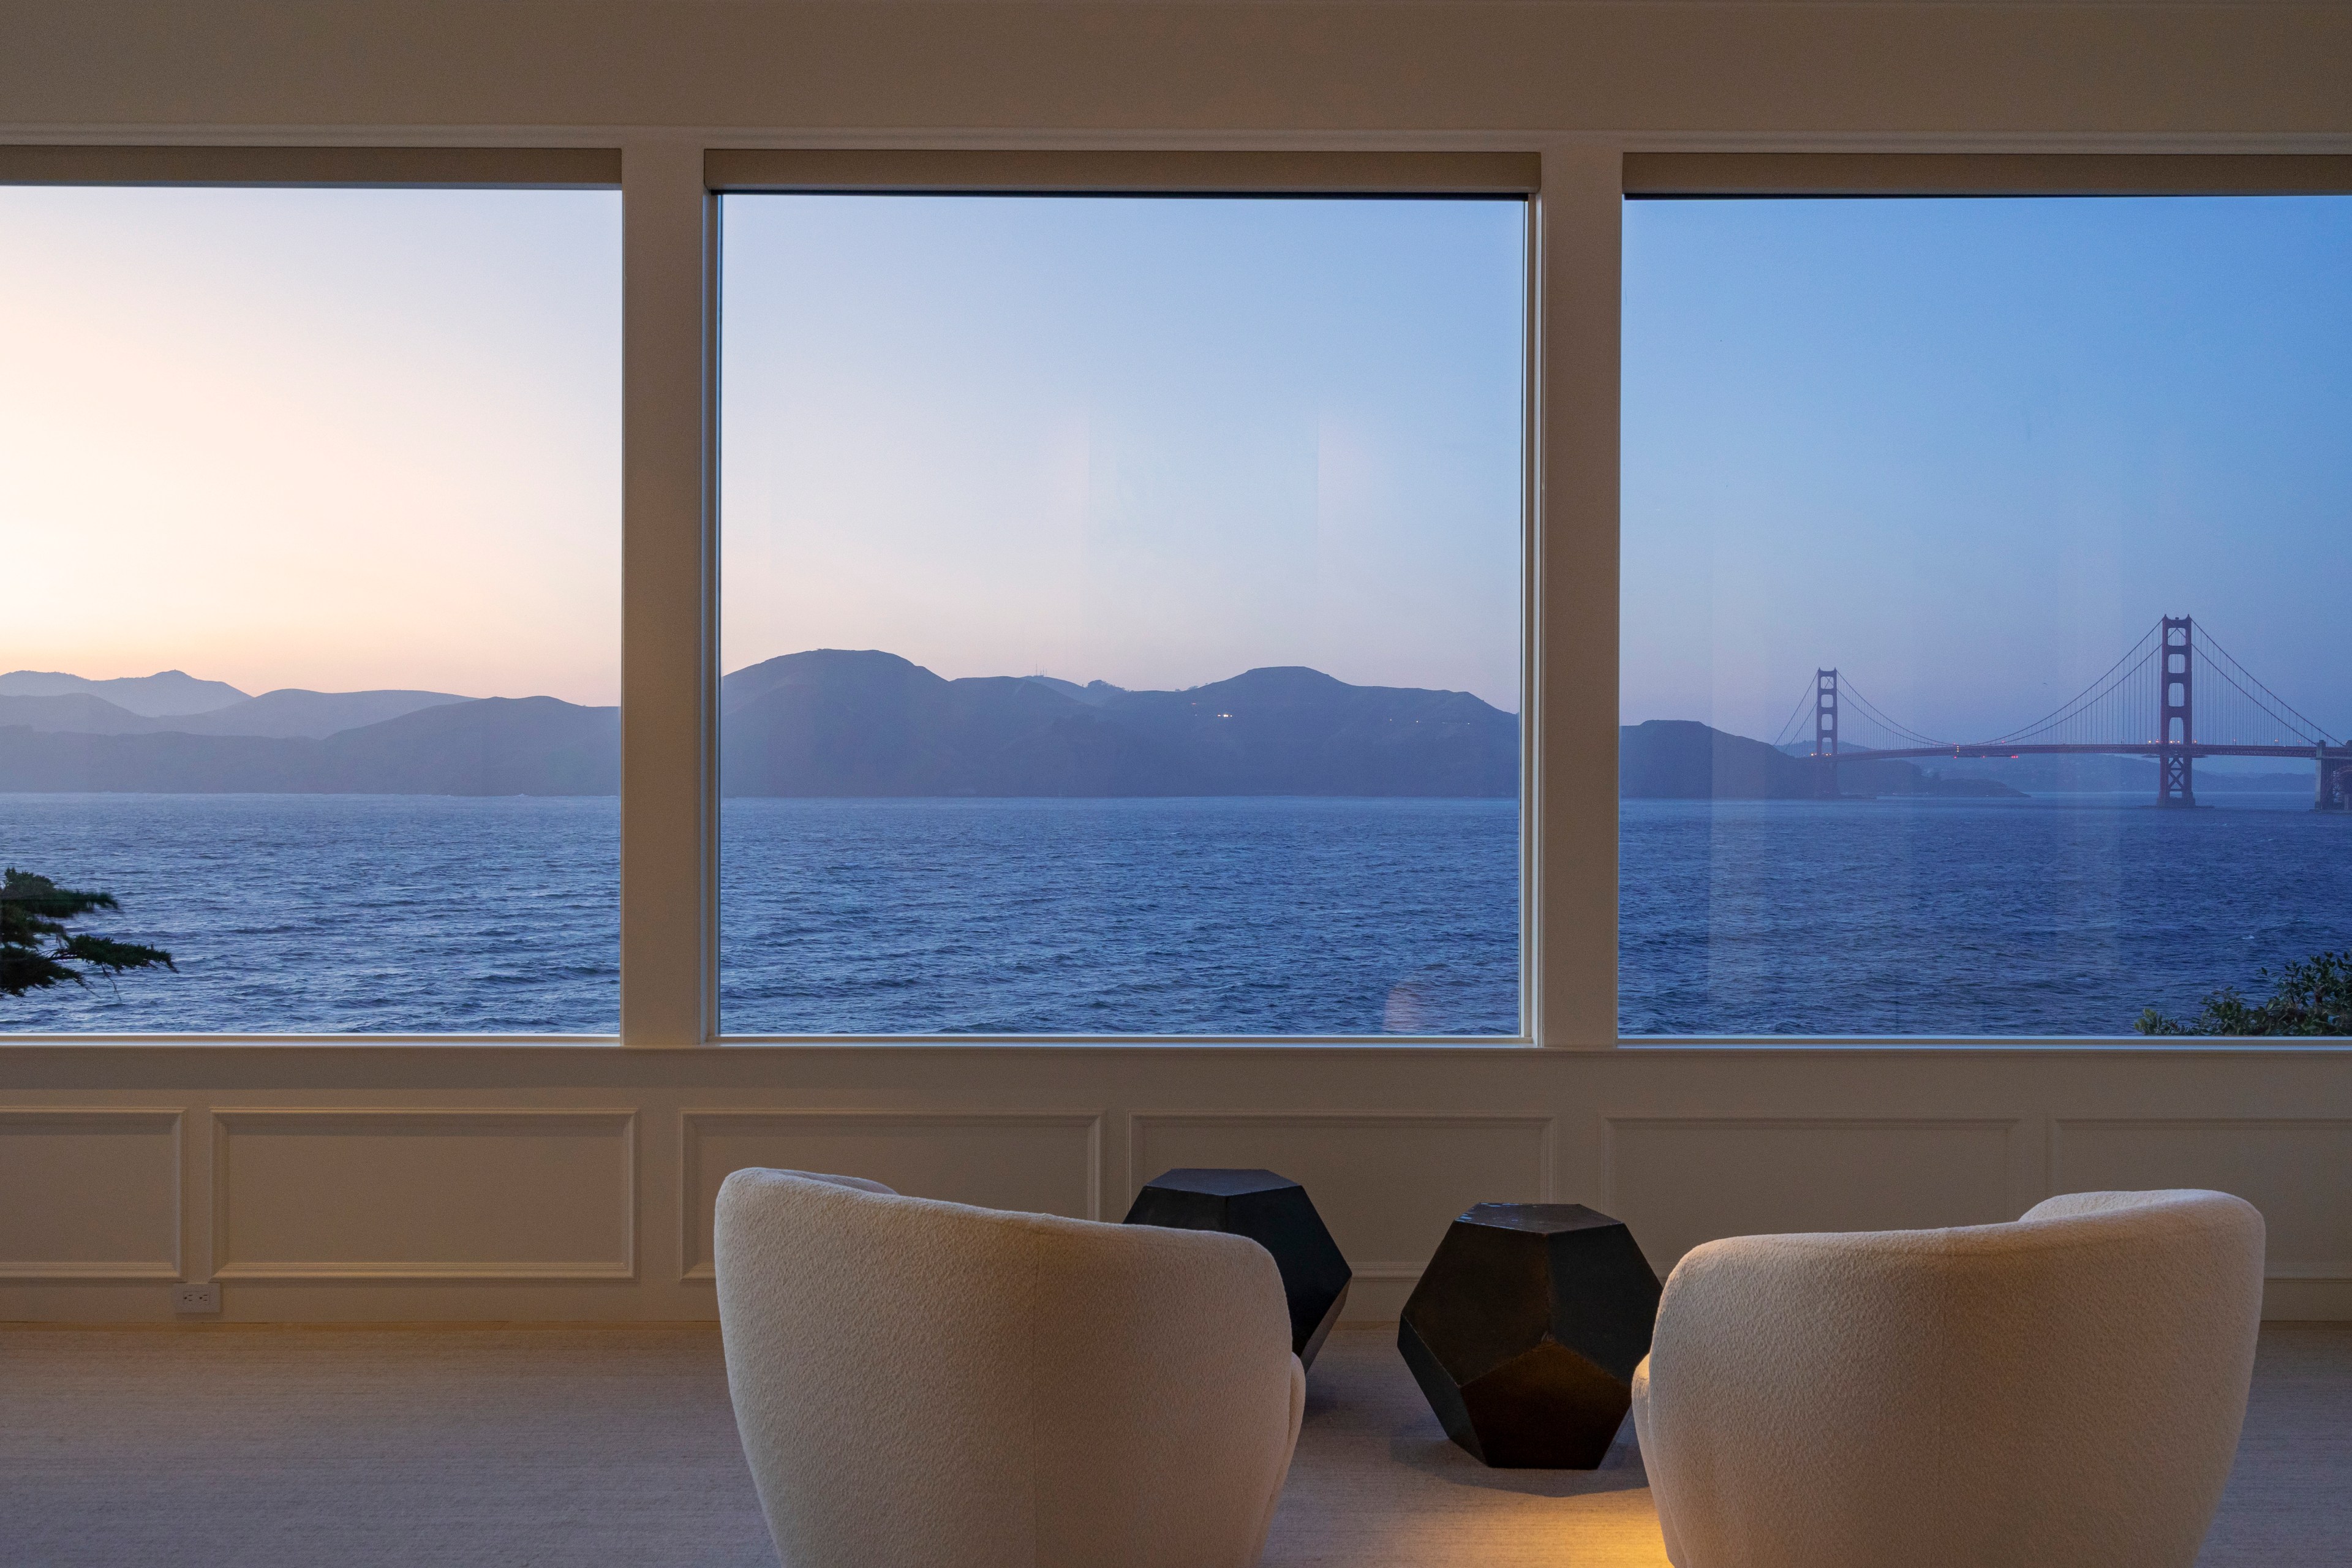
(341, 441)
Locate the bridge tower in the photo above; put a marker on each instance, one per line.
(1825, 733)
(2335, 781)
(2175, 781)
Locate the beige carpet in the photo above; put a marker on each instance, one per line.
(275, 1448)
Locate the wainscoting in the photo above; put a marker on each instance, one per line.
(499, 1183)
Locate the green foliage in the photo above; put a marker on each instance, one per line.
(38, 951)
(2311, 997)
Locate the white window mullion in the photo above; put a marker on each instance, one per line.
(668, 818)
(1572, 787)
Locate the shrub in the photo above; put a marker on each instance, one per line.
(2312, 996)
(38, 951)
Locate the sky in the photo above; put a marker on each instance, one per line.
(1148, 441)
(351, 439)
(1966, 451)
(335, 439)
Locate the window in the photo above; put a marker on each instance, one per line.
(1121, 615)
(1981, 653)
(311, 502)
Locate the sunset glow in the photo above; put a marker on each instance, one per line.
(333, 439)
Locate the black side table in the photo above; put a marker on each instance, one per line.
(1524, 1330)
(1276, 1212)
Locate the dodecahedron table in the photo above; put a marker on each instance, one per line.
(1524, 1330)
(1273, 1211)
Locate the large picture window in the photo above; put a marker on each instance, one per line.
(1983, 662)
(311, 503)
(1120, 627)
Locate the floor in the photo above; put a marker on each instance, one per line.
(352, 1446)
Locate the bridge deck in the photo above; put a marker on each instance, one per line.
(2135, 749)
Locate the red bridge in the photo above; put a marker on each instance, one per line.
(2148, 705)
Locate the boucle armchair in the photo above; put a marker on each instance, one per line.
(921, 1383)
(2063, 1391)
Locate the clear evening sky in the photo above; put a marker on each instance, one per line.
(1150, 442)
(368, 438)
(1966, 451)
(334, 440)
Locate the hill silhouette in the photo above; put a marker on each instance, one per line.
(838, 723)
(1681, 759)
(167, 694)
(287, 711)
(823, 723)
(529, 745)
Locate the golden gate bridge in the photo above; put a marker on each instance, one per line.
(2176, 695)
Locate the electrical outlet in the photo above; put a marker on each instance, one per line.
(195, 1298)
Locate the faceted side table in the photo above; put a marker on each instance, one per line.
(1524, 1330)
(1273, 1211)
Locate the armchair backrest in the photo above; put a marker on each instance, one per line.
(926, 1383)
(2067, 1388)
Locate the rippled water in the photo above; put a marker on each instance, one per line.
(2059, 915)
(429, 914)
(336, 913)
(392, 914)
(1213, 916)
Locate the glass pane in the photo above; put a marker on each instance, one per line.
(1983, 587)
(311, 502)
(1121, 616)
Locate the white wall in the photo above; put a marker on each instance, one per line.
(477, 1183)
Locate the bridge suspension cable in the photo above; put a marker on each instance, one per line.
(1789, 731)
(2289, 723)
(2124, 706)
(1871, 709)
(1795, 715)
(2104, 699)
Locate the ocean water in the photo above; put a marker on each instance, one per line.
(2056, 915)
(335, 913)
(435, 915)
(395, 914)
(1204, 916)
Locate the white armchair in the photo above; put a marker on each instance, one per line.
(921, 1383)
(2065, 1391)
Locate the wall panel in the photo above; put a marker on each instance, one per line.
(1046, 1163)
(90, 1194)
(473, 1183)
(2298, 1171)
(1678, 1182)
(342, 1194)
(1386, 1182)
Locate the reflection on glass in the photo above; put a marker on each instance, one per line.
(1982, 661)
(310, 502)
(1120, 624)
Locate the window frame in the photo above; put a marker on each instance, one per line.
(670, 182)
(521, 166)
(1395, 175)
(1687, 174)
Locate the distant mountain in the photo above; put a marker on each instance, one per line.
(1094, 693)
(168, 695)
(834, 723)
(1681, 759)
(291, 710)
(532, 745)
(75, 713)
(822, 724)
(277, 713)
